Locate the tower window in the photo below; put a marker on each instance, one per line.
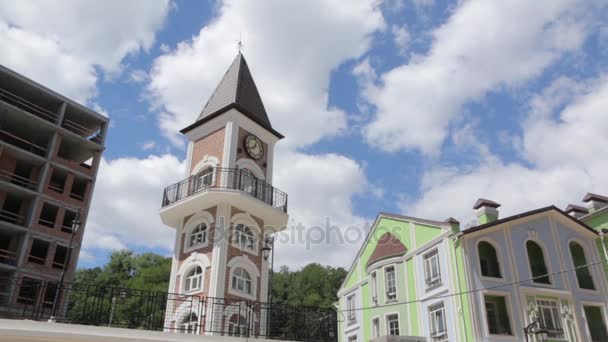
(241, 280)
(203, 179)
(189, 324)
(244, 237)
(237, 326)
(198, 235)
(194, 279)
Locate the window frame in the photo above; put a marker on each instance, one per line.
(589, 270)
(507, 299)
(498, 258)
(555, 317)
(392, 317)
(390, 296)
(204, 179)
(432, 310)
(234, 281)
(547, 266)
(198, 277)
(351, 314)
(186, 327)
(431, 282)
(374, 285)
(202, 232)
(375, 327)
(601, 307)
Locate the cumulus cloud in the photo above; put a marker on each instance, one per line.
(291, 49)
(59, 44)
(471, 55)
(563, 140)
(127, 196)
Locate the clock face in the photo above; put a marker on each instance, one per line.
(254, 147)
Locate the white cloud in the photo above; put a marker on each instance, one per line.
(320, 187)
(402, 37)
(126, 200)
(564, 140)
(138, 76)
(472, 54)
(291, 49)
(147, 145)
(59, 44)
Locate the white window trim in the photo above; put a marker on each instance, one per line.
(196, 219)
(559, 318)
(498, 257)
(374, 286)
(378, 333)
(386, 299)
(445, 322)
(486, 328)
(590, 268)
(439, 276)
(547, 264)
(351, 313)
(241, 278)
(603, 309)
(247, 220)
(206, 162)
(201, 281)
(195, 259)
(254, 273)
(388, 329)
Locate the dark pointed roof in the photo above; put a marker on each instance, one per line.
(388, 246)
(237, 90)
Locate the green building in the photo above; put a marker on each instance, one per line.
(498, 279)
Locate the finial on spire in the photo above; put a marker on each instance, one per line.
(240, 45)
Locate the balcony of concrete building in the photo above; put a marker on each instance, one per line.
(38, 252)
(29, 100)
(10, 241)
(48, 215)
(19, 169)
(82, 123)
(24, 134)
(77, 156)
(14, 208)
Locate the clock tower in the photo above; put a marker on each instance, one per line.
(225, 209)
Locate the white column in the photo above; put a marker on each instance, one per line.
(219, 262)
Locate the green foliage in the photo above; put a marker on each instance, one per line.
(313, 285)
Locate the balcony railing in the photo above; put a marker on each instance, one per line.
(8, 257)
(9, 216)
(27, 106)
(119, 307)
(223, 178)
(18, 180)
(22, 143)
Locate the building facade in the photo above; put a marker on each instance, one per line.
(437, 281)
(50, 149)
(225, 211)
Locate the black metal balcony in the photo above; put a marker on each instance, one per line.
(230, 179)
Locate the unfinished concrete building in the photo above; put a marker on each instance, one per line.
(50, 149)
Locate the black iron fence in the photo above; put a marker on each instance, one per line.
(224, 178)
(161, 311)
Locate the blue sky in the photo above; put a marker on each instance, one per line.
(408, 106)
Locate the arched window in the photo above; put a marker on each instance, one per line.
(194, 279)
(244, 237)
(536, 258)
(241, 280)
(585, 280)
(189, 324)
(488, 260)
(198, 236)
(203, 179)
(248, 181)
(237, 326)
